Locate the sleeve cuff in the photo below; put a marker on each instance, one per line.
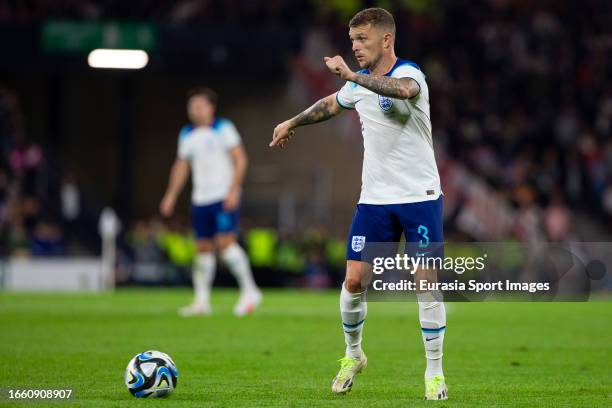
(417, 82)
(341, 104)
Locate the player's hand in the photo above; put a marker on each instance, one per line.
(166, 207)
(282, 134)
(232, 200)
(337, 66)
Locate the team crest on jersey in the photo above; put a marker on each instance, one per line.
(358, 243)
(384, 102)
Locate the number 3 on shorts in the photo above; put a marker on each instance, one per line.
(423, 230)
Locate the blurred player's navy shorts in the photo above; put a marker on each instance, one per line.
(210, 220)
(420, 222)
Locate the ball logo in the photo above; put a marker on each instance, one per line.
(358, 243)
(384, 102)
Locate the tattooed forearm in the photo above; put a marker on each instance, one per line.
(400, 88)
(323, 109)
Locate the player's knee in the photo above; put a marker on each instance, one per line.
(352, 285)
(224, 241)
(352, 282)
(204, 246)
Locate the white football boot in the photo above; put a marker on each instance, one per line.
(247, 303)
(195, 309)
(349, 368)
(435, 388)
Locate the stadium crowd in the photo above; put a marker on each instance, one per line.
(22, 188)
(521, 108)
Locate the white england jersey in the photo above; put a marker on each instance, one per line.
(399, 164)
(207, 149)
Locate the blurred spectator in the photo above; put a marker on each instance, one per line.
(47, 240)
(5, 248)
(179, 246)
(316, 275)
(148, 258)
(528, 227)
(261, 245)
(70, 198)
(289, 256)
(557, 219)
(26, 162)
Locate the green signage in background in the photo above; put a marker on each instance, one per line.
(84, 36)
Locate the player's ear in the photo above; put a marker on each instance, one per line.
(388, 40)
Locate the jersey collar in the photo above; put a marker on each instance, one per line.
(213, 125)
(398, 62)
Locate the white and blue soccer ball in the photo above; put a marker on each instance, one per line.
(151, 374)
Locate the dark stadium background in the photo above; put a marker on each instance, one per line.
(521, 99)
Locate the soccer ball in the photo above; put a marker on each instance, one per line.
(151, 374)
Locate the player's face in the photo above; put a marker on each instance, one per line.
(368, 45)
(200, 110)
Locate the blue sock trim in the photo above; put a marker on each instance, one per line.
(433, 330)
(352, 326)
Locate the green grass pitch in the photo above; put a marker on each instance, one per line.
(496, 354)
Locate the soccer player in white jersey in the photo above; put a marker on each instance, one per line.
(400, 184)
(211, 149)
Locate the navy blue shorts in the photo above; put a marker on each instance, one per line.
(421, 223)
(210, 220)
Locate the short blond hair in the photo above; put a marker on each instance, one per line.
(377, 17)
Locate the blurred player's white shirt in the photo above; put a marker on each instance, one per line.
(399, 164)
(207, 148)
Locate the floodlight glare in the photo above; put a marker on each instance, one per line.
(118, 59)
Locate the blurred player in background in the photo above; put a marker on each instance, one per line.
(400, 182)
(211, 148)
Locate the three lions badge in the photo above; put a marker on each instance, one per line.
(358, 243)
(385, 103)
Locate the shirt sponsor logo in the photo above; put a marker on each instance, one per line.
(358, 243)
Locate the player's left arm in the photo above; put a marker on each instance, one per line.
(398, 88)
(240, 163)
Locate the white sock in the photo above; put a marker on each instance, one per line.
(203, 276)
(432, 315)
(353, 312)
(238, 263)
